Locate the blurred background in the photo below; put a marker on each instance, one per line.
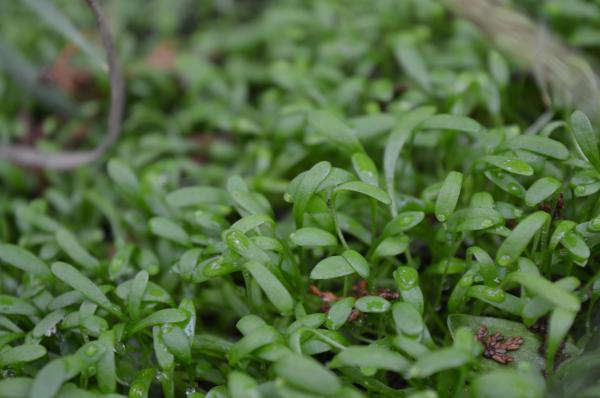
(203, 77)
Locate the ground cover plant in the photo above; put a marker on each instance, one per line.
(307, 199)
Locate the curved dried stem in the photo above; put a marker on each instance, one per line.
(27, 156)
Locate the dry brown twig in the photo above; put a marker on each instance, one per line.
(28, 156)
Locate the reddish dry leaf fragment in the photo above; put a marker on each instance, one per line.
(387, 294)
(354, 315)
(360, 288)
(162, 57)
(496, 346)
(70, 79)
(327, 297)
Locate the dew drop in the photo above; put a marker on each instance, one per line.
(91, 350)
(466, 281)
(50, 331)
(504, 260)
(495, 295)
(580, 189)
(160, 376)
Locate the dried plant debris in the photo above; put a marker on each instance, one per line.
(496, 346)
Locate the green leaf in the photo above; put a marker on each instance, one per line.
(335, 131)
(136, 294)
(357, 262)
(371, 357)
(406, 277)
(514, 166)
(365, 168)
(540, 190)
(254, 221)
(543, 287)
(15, 306)
(140, 386)
(241, 385)
(307, 374)
(120, 261)
(506, 182)
(273, 288)
(106, 371)
(48, 380)
(123, 176)
(402, 222)
(70, 245)
(23, 259)
(372, 304)
(164, 358)
(409, 57)
(196, 196)
(177, 342)
(22, 353)
(72, 277)
(47, 324)
(249, 203)
(167, 315)
(499, 68)
(309, 236)
(559, 324)
(539, 306)
(519, 238)
(15, 387)
(392, 246)
(578, 249)
(586, 138)
(407, 319)
(448, 196)
(395, 142)
(410, 346)
(497, 297)
(474, 219)
(437, 361)
(541, 145)
(257, 338)
(239, 243)
(169, 229)
(452, 122)
(509, 383)
(365, 189)
(562, 228)
(307, 187)
(339, 312)
(332, 267)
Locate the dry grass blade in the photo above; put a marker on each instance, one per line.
(27, 156)
(559, 70)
